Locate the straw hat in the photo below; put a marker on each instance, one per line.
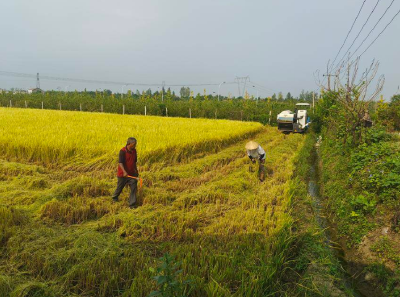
(251, 145)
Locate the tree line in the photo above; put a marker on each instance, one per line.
(159, 103)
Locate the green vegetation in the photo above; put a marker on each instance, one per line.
(361, 183)
(388, 114)
(167, 281)
(200, 106)
(317, 270)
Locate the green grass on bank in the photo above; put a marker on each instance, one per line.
(316, 268)
(361, 186)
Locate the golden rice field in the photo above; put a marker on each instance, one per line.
(60, 235)
(61, 136)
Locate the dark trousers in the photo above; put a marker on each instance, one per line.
(261, 170)
(122, 182)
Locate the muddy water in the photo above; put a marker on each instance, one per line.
(331, 240)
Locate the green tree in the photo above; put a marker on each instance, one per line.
(351, 104)
(302, 96)
(198, 97)
(394, 111)
(205, 95)
(107, 92)
(169, 95)
(184, 92)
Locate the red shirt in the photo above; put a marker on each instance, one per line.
(129, 159)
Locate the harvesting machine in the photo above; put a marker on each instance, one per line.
(297, 121)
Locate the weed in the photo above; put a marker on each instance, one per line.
(167, 278)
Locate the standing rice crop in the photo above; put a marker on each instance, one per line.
(93, 139)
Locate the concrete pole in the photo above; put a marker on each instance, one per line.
(269, 119)
(122, 93)
(313, 102)
(219, 86)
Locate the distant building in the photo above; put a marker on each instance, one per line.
(35, 91)
(18, 91)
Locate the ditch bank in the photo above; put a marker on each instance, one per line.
(354, 273)
(320, 261)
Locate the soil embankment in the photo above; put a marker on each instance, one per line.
(356, 275)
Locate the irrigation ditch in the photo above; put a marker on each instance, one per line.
(354, 276)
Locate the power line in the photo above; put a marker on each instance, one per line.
(358, 34)
(387, 25)
(380, 33)
(259, 89)
(44, 77)
(348, 33)
(261, 86)
(17, 74)
(370, 34)
(372, 29)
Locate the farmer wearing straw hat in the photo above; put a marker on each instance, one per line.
(256, 152)
(127, 172)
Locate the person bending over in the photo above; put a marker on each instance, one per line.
(256, 152)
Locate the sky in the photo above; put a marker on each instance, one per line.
(278, 44)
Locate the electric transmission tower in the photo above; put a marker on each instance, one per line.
(242, 81)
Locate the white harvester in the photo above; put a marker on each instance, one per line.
(297, 121)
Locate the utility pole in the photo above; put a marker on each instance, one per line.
(122, 93)
(162, 91)
(219, 86)
(313, 101)
(257, 92)
(329, 80)
(37, 81)
(329, 76)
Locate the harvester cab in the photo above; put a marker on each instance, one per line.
(296, 122)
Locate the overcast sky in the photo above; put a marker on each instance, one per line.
(278, 44)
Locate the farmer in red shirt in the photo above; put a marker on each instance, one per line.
(127, 167)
